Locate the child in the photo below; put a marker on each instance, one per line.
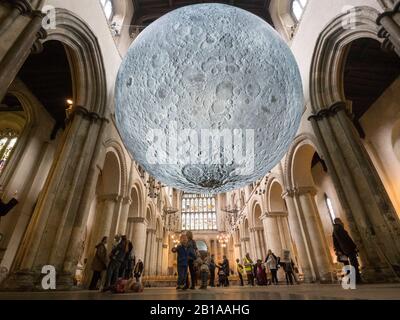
(204, 271)
(182, 261)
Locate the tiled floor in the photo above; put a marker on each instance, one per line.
(282, 292)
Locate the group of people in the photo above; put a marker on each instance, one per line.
(191, 262)
(257, 272)
(120, 265)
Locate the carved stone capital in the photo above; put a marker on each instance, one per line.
(328, 112)
(274, 214)
(137, 220)
(86, 114)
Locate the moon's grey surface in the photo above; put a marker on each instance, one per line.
(215, 67)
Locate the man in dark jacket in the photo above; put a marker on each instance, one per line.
(345, 246)
(193, 253)
(117, 257)
(212, 267)
(226, 269)
(99, 263)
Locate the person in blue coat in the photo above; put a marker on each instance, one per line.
(183, 255)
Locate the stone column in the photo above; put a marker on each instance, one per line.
(165, 255)
(153, 253)
(158, 257)
(253, 244)
(138, 236)
(390, 28)
(271, 232)
(18, 8)
(299, 238)
(246, 246)
(238, 252)
(320, 253)
(123, 216)
(105, 217)
(147, 253)
(20, 50)
(370, 216)
(260, 238)
(54, 235)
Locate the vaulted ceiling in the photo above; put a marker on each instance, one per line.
(147, 11)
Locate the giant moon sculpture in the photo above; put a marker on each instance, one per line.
(208, 98)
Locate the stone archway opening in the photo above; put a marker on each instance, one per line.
(371, 85)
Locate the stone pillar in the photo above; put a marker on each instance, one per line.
(159, 244)
(55, 233)
(147, 253)
(137, 235)
(153, 253)
(320, 253)
(123, 216)
(260, 238)
(246, 246)
(165, 256)
(271, 232)
(299, 238)
(253, 244)
(20, 50)
(238, 252)
(390, 28)
(370, 216)
(18, 8)
(106, 217)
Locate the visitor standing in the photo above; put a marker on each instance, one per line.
(117, 257)
(183, 253)
(99, 263)
(248, 267)
(261, 275)
(272, 264)
(240, 271)
(193, 253)
(212, 267)
(345, 248)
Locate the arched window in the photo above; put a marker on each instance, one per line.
(8, 140)
(198, 212)
(329, 205)
(297, 9)
(108, 8)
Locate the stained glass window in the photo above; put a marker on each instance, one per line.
(298, 7)
(329, 205)
(199, 212)
(8, 140)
